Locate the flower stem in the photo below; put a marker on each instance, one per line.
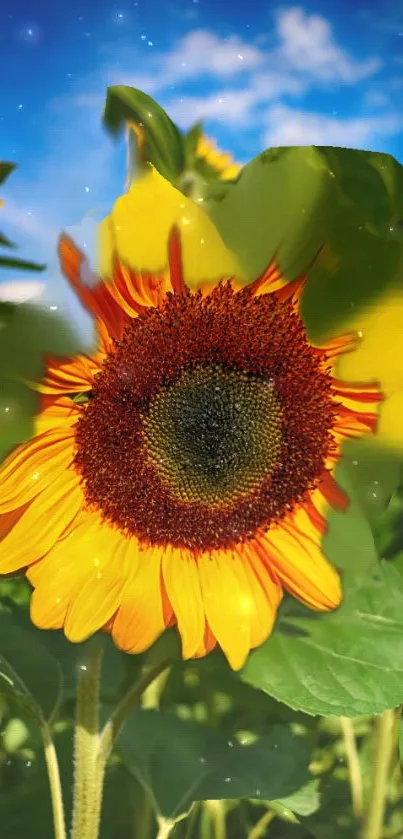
(117, 719)
(384, 746)
(353, 763)
(87, 796)
(217, 815)
(259, 829)
(52, 765)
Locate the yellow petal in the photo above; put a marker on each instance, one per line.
(79, 582)
(293, 550)
(140, 618)
(181, 578)
(99, 596)
(139, 227)
(41, 524)
(56, 413)
(232, 600)
(378, 357)
(33, 467)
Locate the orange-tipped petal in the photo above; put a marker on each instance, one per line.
(140, 618)
(293, 550)
(97, 300)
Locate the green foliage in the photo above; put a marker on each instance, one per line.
(163, 144)
(207, 764)
(7, 261)
(226, 754)
(173, 153)
(291, 201)
(347, 662)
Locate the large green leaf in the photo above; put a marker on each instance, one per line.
(348, 662)
(181, 762)
(290, 201)
(29, 674)
(163, 144)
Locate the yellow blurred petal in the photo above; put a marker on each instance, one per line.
(293, 550)
(379, 354)
(181, 578)
(232, 600)
(139, 227)
(222, 162)
(41, 524)
(379, 357)
(140, 618)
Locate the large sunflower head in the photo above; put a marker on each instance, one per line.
(182, 473)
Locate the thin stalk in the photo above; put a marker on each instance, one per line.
(118, 717)
(52, 765)
(384, 746)
(353, 764)
(87, 794)
(259, 828)
(152, 694)
(217, 815)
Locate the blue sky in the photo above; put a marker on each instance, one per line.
(259, 73)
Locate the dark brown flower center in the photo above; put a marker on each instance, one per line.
(210, 420)
(213, 434)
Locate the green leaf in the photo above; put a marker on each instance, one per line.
(163, 144)
(290, 201)
(348, 662)
(349, 541)
(207, 765)
(22, 264)
(303, 802)
(5, 170)
(29, 674)
(7, 243)
(191, 140)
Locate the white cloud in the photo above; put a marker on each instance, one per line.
(19, 291)
(234, 107)
(307, 43)
(230, 106)
(291, 127)
(245, 85)
(202, 51)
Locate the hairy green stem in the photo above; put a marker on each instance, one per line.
(93, 747)
(87, 794)
(384, 746)
(52, 765)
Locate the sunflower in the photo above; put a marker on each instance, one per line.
(222, 162)
(182, 473)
